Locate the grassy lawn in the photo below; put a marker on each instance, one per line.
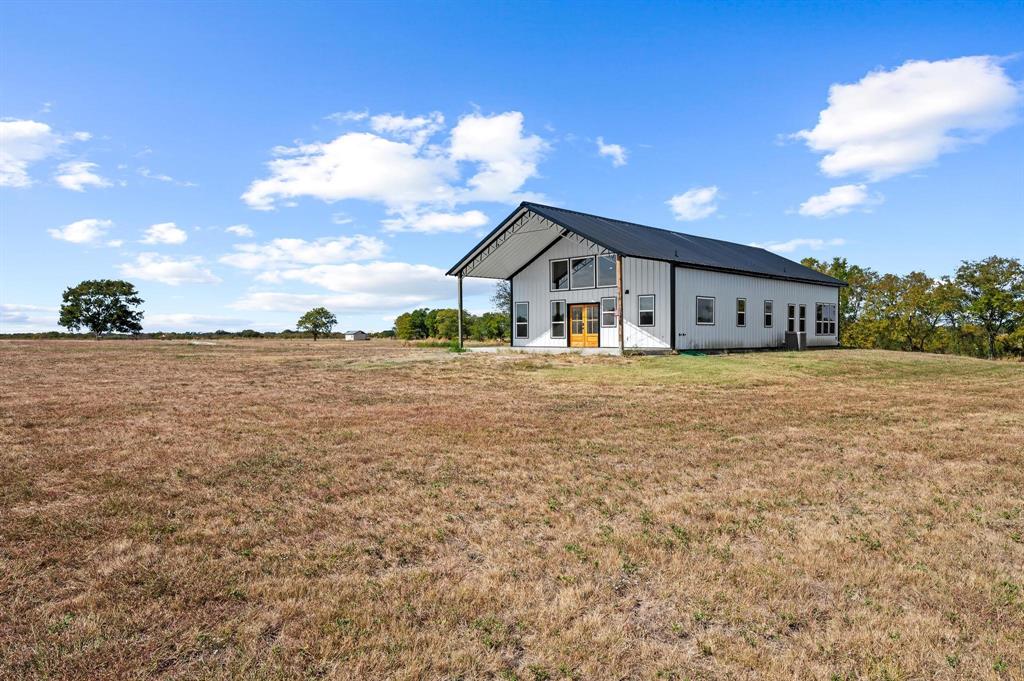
(294, 509)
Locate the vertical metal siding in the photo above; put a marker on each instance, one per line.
(639, 277)
(726, 288)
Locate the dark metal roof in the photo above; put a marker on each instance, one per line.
(641, 241)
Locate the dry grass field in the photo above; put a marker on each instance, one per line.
(283, 509)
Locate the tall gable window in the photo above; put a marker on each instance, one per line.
(558, 319)
(741, 312)
(608, 312)
(791, 317)
(825, 319)
(559, 275)
(522, 320)
(605, 270)
(582, 270)
(768, 313)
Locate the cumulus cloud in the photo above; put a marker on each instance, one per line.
(186, 321)
(82, 231)
(165, 233)
(26, 318)
(892, 122)
(22, 143)
(287, 252)
(694, 204)
(432, 223)
(240, 230)
(394, 165)
(162, 177)
(77, 175)
(168, 270)
(616, 152)
(839, 201)
(799, 244)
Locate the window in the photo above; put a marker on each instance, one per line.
(791, 317)
(608, 312)
(741, 312)
(768, 313)
(645, 304)
(522, 320)
(559, 275)
(583, 272)
(558, 319)
(825, 319)
(605, 270)
(803, 318)
(705, 310)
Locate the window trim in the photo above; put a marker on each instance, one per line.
(597, 270)
(593, 258)
(654, 307)
(551, 281)
(832, 325)
(516, 321)
(714, 310)
(551, 319)
(744, 313)
(769, 317)
(614, 312)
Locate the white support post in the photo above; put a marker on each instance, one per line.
(618, 304)
(460, 309)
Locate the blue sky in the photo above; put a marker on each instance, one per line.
(358, 150)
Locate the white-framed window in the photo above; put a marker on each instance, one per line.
(522, 320)
(705, 310)
(558, 319)
(581, 272)
(741, 312)
(605, 270)
(645, 308)
(608, 312)
(791, 317)
(825, 319)
(769, 314)
(559, 275)
(803, 318)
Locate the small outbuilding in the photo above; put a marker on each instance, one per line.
(356, 335)
(589, 282)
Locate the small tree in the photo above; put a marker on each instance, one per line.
(317, 321)
(102, 306)
(993, 296)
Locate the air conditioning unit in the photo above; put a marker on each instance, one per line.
(796, 340)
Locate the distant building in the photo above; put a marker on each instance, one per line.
(357, 335)
(585, 281)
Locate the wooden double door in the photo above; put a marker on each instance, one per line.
(585, 326)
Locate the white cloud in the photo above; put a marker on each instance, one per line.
(16, 318)
(160, 177)
(616, 152)
(892, 122)
(240, 230)
(432, 223)
(505, 158)
(289, 252)
(186, 321)
(798, 244)
(695, 203)
(115, 243)
(416, 130)
(165, 233)
(23, 142)
(345, 116)
(82, 231)
(355, 286)
(77, 175)
(839, 201)
(169, 270)
(395, 166)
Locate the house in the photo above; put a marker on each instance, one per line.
(357, 335)
(571, 274)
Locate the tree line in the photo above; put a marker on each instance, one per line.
(977, 310)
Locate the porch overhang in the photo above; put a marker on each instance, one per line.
(512, 245)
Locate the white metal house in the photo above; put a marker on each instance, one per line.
(584, 281)
(356, 335)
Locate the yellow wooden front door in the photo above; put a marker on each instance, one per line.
(584, 326)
